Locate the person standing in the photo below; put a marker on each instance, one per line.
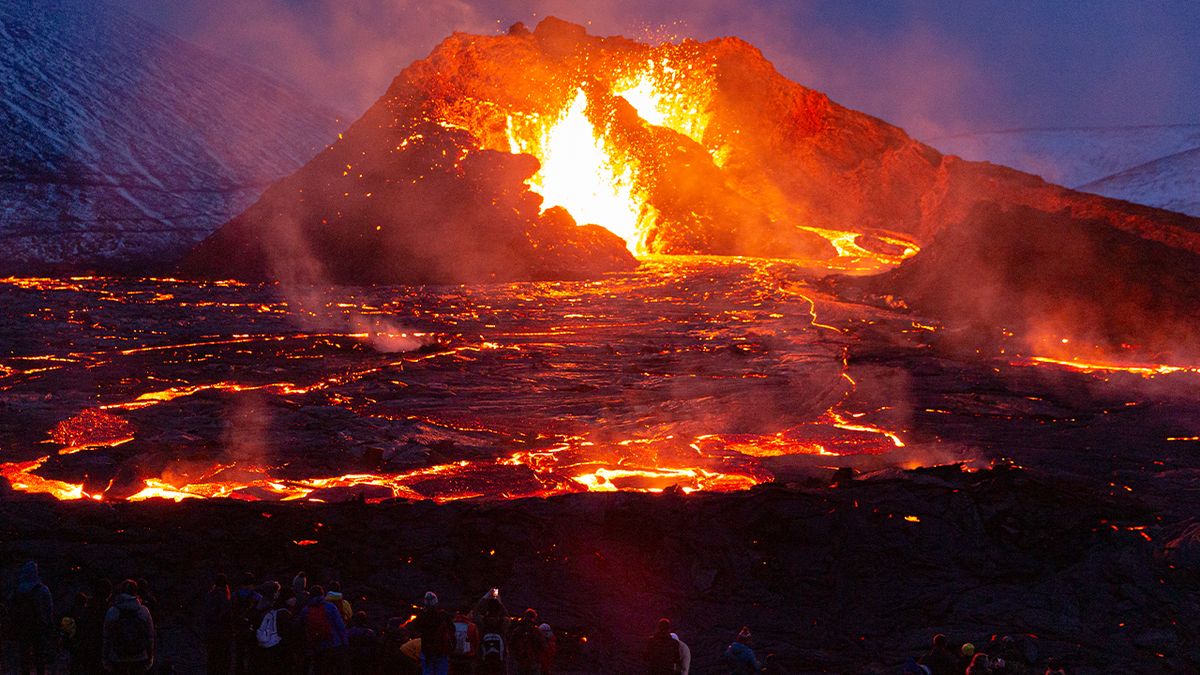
(739, 657)
(551, 649)
(662, 651)
(89, 629)
(243, 604)
(466, 642)
(324, 634)
(32, 611)
(128, 639)
(491, 617)
(436, 631)
(216, 627)
(526, 644)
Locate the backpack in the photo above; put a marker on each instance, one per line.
(462, 642)
(130, 635)
(268, 631)
(316, 627)
(492, 647)
(443, 639)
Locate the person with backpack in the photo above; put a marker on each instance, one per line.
(492, 620)
(32, 614)
(436, 631)
(662, 651)
(739, 657)
(242, 605)
(526, 644)
(128, 637)
(270, 656)
(324, 633)
(466, 643)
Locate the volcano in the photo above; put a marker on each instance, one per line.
(478, 161)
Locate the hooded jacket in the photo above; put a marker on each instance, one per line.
(42, 606)
(340, 602)
(336, 625)
(127, 602)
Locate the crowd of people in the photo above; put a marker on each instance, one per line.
(268, 628)
(1007, 657)
(299, 629)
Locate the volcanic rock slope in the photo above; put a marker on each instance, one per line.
(121, 146)
(744, 163)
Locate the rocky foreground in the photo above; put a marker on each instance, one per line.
(850, 578)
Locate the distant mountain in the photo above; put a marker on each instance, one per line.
(1150, 165)
(122, 146)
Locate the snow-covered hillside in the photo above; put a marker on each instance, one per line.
(122, 145)
(1152, 165)
(1172, 183)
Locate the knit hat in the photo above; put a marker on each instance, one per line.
(968, 649)
(744, 635)
(430, 599)
(545, 628)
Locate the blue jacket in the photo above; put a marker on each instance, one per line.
(333, 616)
(740, 659)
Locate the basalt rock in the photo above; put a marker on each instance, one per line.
(1054, 276)
(430, 209)
(853, 578)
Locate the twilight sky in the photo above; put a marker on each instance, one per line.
(934, 67)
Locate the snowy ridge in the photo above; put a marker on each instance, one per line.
(1146, 165)
(120, 144)
(1172, 183)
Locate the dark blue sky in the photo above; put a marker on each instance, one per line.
(933, 67)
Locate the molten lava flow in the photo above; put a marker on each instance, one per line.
(92, 428)
(1085, 366)
(21, 476)
(581, 175)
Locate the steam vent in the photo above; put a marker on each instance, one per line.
(479, 161)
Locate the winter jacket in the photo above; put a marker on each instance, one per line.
(740, 659)
(128, 603)
(342, 605)
(426, 626)
(338, 637)
(661, 654)
(32, 605)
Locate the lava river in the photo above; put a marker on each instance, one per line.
(688, 373)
